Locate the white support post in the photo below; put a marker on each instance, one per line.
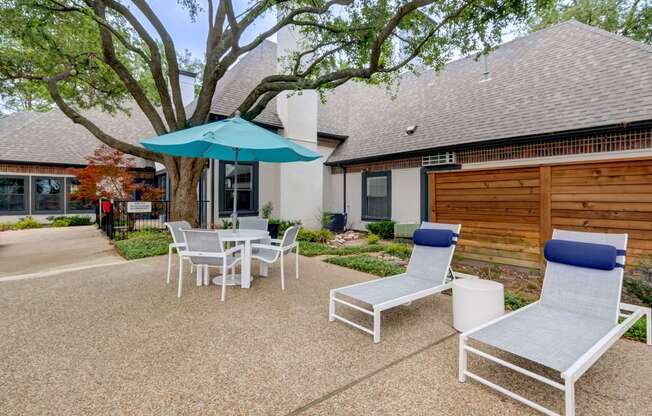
(282, 273)
(376, 326)
(648, 313)
(167, 281)
(297, 269)
(331, 306)
(463, 359)
(569, 397)
(180, 280)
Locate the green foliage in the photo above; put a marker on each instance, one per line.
(383, 229)
(320, 236)
(266, 210)
(73, 220)
(631, 18)
(310, 249)
(639, 288)
(368, 264)
(372, 238)
(283, 224)
(638, 331)
(326, 219)
(60, 222)
(27, 222)
(144, 243)
(4, 226)
(514, 301)
(400, 250)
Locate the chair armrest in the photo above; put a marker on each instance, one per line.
(233, 250)
(266, 246)
(178, 245)
(275, 240)
(207, 254)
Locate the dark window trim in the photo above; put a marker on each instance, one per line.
(223, 212)
(62, 200)
(26, 193)
(68, 185)
(365, 175)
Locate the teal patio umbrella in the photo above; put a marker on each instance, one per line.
(233, 139)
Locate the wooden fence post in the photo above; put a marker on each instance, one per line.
(545, 208)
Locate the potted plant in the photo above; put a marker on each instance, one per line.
(272, 224)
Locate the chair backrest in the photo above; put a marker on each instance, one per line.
(583, 290)
(433, 263)
(175, 228)
(252, 223)
(207, 241)
(290, 236)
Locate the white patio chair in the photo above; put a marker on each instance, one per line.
(204, 249)
(574, 322)
(277, 250)
(252, 223)
(178, 242)
(428, 273)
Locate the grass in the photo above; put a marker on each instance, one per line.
(143, 244)
(400, 250)
(311, 249)
(368, 264)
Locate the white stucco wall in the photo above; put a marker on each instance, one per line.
(269, 187)
(406, 197)
(354, 200)
(333, 192)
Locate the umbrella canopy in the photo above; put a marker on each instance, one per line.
(233, 139)
(223, 139)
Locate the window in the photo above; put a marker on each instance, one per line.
(47, 195)
(377, 196)
(13, 195)
(247, 188)
(161, 183)
(75, 204)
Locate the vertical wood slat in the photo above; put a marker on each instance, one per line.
(432, 197)
(545, 210)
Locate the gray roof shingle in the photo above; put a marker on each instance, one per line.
(51, 137)
(569, 76)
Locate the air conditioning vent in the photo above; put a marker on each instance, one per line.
(437, 159)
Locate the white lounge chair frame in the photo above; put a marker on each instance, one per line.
(570, 376)
(376, 309)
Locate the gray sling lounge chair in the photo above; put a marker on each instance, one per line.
(574, 322)
(428, 273)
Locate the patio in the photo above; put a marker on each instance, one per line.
(116, 340)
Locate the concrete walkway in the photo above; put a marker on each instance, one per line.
(118, 341)
(46, 250)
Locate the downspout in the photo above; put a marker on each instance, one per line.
(344, 188)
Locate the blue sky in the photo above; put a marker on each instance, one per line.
(192, 36)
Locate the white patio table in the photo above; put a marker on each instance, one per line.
(246, 237)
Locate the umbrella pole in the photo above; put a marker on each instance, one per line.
(234, 216)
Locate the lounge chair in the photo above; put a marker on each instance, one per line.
(428, 273)
(574, 322)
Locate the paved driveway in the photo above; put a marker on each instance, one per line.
(118, 342)
(45, 250)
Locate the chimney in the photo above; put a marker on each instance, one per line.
(187, 83)
(486, 74)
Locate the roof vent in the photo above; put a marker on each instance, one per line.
(486, 74)
(411, 129)
(445, 158)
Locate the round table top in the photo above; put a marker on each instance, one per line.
(242, 235)
(478, 284)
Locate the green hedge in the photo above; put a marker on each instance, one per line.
(310, 249)
(368, 264)
(143, 244)
(383, 229)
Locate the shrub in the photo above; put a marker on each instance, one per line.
(27, 222)
(383, 229)
(326, 219)
(400, 250)
(320, 236)
(640, 289)
(144, 243)
(513, 301)
(283, 224)
(60, 222)
(73, 220)
(310, 249)
(6, 226)
(266, 210)
(372, 238)
(638, 331)
(368, 264)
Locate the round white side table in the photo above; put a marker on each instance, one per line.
(476, 301)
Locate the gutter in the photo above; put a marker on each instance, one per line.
(612, 128)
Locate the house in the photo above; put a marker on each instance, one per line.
(549, 130)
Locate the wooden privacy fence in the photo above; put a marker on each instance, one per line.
(507, 214)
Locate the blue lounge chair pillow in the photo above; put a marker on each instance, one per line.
(433, 238)
(590, 255)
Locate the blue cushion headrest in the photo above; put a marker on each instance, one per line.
(574, 253)
(433, 238)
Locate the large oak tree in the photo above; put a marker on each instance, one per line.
(112, 53)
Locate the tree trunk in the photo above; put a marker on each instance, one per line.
(184, 174)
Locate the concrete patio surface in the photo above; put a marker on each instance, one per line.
(49, 249)
(117, 341)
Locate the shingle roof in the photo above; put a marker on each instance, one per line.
(566, 77)
(51, 137)
(243, 77)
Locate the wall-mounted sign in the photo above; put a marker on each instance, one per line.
(139, 207)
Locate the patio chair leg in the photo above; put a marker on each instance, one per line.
(167, 281)
(376, 326)
(282, 273)
(569, 388)
(649, 326)
(180, 280)
(206, 276)
(297, 268)
(331, 306)
(224, 272)
(463, 358)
